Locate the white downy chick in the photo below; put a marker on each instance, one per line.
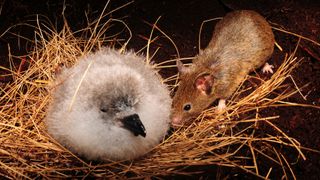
(120, 111)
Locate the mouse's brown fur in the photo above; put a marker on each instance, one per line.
(242, 41)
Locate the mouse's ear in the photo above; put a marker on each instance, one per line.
(182, 69)
(204, 83)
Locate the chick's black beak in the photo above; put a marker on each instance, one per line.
(134, 124)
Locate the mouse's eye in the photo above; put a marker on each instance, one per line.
(187, 107)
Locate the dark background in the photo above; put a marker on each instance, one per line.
(181, 20)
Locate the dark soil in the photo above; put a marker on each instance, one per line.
(181, 20)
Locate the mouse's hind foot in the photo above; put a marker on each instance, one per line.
(267, 68)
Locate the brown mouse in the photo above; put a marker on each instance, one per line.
(242, 41)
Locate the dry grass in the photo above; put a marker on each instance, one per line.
(232, 138)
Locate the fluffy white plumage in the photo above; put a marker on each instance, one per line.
(113, 86)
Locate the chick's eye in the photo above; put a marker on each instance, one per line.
(103, 110)
(187, 107)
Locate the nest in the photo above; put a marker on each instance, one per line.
(233, 138)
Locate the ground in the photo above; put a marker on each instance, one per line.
(181, 21)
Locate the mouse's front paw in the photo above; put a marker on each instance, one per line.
(221, 106)
(267, 68)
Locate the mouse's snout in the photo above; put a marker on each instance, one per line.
(176, 121)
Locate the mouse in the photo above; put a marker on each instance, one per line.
(241, 42)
